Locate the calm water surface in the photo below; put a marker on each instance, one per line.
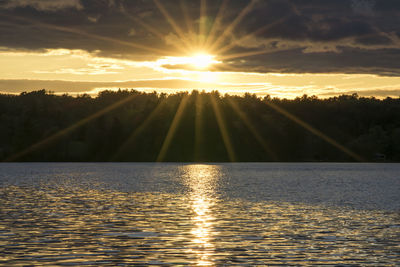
(197, 214)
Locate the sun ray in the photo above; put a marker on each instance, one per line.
(172, 129)
(247, 36)
(223, 129)
(138, 131)
(253, 130)
(68, 129)
(216, 24)
(202, 23)
(252, 53)
(188, 19)
(155, 31)
(198, 137)
(316, 132)
(172, 22)
(90, 35)
(233, 25)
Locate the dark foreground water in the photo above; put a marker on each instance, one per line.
(184, 214)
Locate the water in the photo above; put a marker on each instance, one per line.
(188, 214)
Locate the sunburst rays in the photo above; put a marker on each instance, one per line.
(178, 45)
(56, 136)
(138, 131)
(212, 40)
(223, 128)
(91, 35)
(188, 19)
(247, 122)
(215, 44)
(316, 132)
(216, 23)
(202, 23)
(231, 27)
(198, 124)
(172, 129)
(173, 24)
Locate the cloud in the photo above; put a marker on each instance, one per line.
(132, 32)
(44, 5)
(363, 7)
(379, 93)
(93, 19)
(91, 69)
(60, 86)
(298, 36)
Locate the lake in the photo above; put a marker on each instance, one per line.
(199, 214)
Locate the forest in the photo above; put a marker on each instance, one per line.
(128, 125)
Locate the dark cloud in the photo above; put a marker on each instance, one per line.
(350, 60)
(375, 39)
(363, 7)
(367, 93)
(43, 5)
(360, 36)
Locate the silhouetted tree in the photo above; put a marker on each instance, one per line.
(127, 125)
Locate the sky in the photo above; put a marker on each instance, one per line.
(280, 48)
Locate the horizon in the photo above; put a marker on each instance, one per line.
(191, 92)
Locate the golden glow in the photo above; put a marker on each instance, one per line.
(200, 47)
(201, 180)
(197, 61)
(207, 76)
(201, 61)
(77, 71)
(155, 225)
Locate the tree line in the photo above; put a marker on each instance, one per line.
(128, 125)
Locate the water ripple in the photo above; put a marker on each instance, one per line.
(65, 224)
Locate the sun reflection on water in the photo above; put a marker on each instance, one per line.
(201, 181)
(77, 219)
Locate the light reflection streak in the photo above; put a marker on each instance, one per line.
(201, 181)
(79, 219)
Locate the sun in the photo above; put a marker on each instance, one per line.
(201, 61)
(195, 66)
(196, 61)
